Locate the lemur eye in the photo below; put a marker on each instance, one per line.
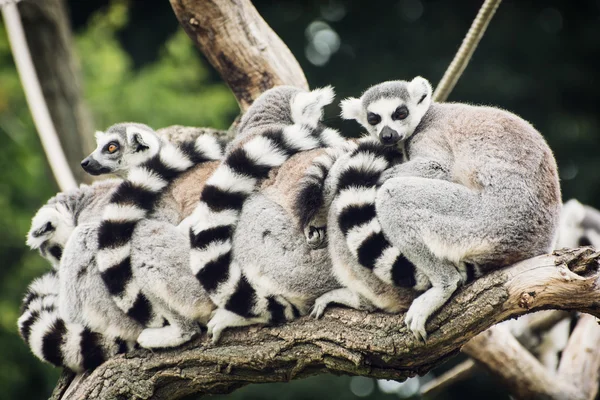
(112, 147)
(400, 113)
(373, 118)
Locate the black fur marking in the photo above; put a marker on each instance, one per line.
(166, 172)
(422, 98)
(470, 267)
(189, 149)
(295, 311)
(356, 215)
(219, 200)
(584, 241)
(403, 272)
(114, 234)
(316, 133)
(91, 349)
(276, 310)
(141, 311)
(276, 136)
(26, 325)
(240, 163)
(44, 229)
(371, 249)
(243, 299)
(355, 178)
(132, 194)
(121, 346)
(29, 297)
(215, 272)
(390, 153)
(308, 202)
(56, 251)
(52, 342)
(117, 277)
(204, 238)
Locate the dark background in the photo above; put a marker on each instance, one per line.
(538, 59)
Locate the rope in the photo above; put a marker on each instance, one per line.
(35, 99)
(466, 50)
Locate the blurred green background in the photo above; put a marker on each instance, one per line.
(539, 59)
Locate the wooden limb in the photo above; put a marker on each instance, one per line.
(349, 341)
(461, 372)
(248, 55)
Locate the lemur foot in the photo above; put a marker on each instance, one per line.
(223, 319)
(315, 236)
(319, 307)
(415, 321)
(168, 336)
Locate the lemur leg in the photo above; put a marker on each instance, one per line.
(343, 296)
(436, 224)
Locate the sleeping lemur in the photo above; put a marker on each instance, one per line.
(283, 121)
(150, 165)
(478, 190)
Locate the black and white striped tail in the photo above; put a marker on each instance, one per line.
(216, 216)
(133, 200)
(57, 342)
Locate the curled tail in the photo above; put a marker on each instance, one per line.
(132, 201)
(214, 220)
(355, 190)
(56, 341)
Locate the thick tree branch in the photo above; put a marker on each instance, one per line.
(348, 341)
(245, 51)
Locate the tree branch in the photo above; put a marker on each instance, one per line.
(245, 51)
(349, 341)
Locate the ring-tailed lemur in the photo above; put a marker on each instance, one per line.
(282, 122)
(150, 165)
(478, 190)
(50, 337)
(579, 226)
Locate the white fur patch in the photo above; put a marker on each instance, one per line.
(307, 107)
(203, 218)
(123, 212)
(355, 196)
(226, 179)
(39, 329)
(227, 288)
(72, 347)
(357, 235)
(352, 108)
(199, 258)
(145, 178)
(263, 151)
(209, 146)
(45, 285)
(364, 161)
(299, 138)
(168, 336)
(108, 257)
(332, 138)
(174, 158)
(383, 265)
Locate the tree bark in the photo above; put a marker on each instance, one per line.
(248, 55)
(353, 342)
(50, 41)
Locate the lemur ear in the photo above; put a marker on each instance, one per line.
(98, 135)
(420, 90)
(351, 108)
(138, 138)
(307, 107)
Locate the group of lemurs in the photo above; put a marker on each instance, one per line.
(288, 218)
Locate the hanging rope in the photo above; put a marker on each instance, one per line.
(35, 99)
(466, 50)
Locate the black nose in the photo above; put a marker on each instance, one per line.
(388, 136)
(85, 163)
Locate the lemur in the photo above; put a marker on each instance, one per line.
(280, 123)
(150, 165)
(477, 190)
(579, 226)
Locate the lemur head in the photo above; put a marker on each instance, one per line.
(390, 111)
(120, 148)
(50, 229)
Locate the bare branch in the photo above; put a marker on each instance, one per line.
(248, 55)
(459, 373)
(348, 341)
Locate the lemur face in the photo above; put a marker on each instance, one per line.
(390, 111)
(120, 148)
(49, 232)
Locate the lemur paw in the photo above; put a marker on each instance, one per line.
(319, 307)
(415, 322)
(221, 320)
(168, 336)
(315, 236)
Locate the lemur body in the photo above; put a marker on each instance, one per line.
(282, 122)
(150, 165)
(478, 190)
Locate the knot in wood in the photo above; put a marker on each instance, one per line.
(527, 299)
(194, 21)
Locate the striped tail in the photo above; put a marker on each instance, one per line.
(355, 192)
(216, 216)
(132, 201)
(56, 341)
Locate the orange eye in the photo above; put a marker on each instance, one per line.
(112, 147)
